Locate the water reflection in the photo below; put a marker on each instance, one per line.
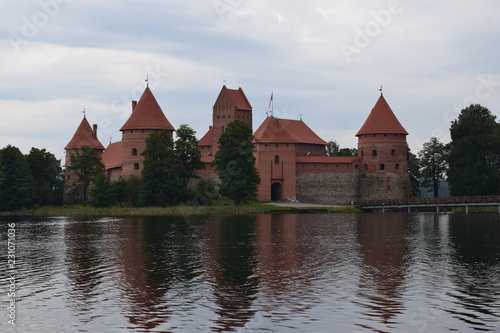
(384, 251)
(281, 273)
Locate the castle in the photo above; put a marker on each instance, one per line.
(290, 158)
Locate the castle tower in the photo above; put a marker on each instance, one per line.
(382, 153)
(231, 104)
(84, 136)
(147, 117)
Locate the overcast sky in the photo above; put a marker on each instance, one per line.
(322, 59)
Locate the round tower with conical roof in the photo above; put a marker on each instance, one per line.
(147, 117)
(382, 152)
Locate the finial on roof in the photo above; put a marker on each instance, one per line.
(381, 94)
(110, 138)
(300, 116)
(147, 81)
(83, 112)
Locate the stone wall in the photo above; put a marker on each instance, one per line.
(328, 188)
(380, 187)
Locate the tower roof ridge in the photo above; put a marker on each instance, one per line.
(382, 120)
(147, 114)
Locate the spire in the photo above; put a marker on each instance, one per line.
(147, 114)
(382, 120)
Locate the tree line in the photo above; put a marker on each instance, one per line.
(470, 162)
(29, 180)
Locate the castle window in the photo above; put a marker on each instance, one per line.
(229, 116)
(223, 129)
(265, 145)
(277, 145)
(356, 167)
(393, 152)
(134, 151)
(218, 117)
(397, 166)
(374, 152)
(276, 159)
(362, 153)
(136, 166)
(382, 166)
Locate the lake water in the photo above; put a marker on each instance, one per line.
(261, 273)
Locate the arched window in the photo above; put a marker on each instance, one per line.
(374, 152)
(397, 166)
(382, 166)
(134, 151)
(136, 166)
(393, 152)
(276, 159)
(362, 153)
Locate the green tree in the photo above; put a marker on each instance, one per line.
(474, 156)
(47, 175)
(433, 165)
(87, 165)
(413, 172)
(16, 181)
(161, 183)
(235, 163)
(333, 149)
(102, 194)
(188, 155)
(126, 191)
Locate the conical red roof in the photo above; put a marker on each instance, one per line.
(84, 136)
(147, 114)
(274, 130)
(382, 120)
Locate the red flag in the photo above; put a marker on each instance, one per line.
(270, 101)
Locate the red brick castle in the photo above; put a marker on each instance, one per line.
(290, 158)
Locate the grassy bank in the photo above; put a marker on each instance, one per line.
(220, 207)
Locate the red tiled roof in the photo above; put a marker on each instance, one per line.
(147, 114)
(382, 120)
(112, 156)
(274, 130)
(326, 159)
(206, 140)
(84, 136)
(239, 99)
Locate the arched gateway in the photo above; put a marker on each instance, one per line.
(276, 191)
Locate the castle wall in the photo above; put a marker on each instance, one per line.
(384, 186)
(328, 187)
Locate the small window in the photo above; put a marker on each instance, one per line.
(397, 166)
(136, 166)
(223, 129)
(374, 152)
(276, 159)
(393, 152)
(134, 151)
(356, 167)
(382, 166)
(277, 145)
(362, 153)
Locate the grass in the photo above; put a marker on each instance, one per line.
(218, 207)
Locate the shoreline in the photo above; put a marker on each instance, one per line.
(252, 208)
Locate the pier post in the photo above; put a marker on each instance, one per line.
(466, 209)
(437, 209)
(409, 209)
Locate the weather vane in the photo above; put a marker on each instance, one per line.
(380, 90)
(147, 81)
(84, 112)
